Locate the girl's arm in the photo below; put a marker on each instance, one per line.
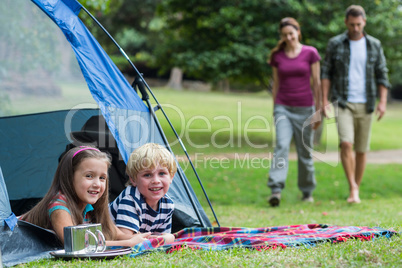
(134, 240)
(60, 219)
(127, 238)
(127, 234)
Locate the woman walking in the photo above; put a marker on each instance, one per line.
(294, 66)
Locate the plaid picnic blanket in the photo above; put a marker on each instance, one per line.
(220, 238)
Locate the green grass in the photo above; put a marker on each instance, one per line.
(239, 198)
(216, 122)
(242, 122)
(239, 183)
(73, 95)
(379, 253)
(237, 191)
(237, 188)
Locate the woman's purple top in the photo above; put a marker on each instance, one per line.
(294, 77)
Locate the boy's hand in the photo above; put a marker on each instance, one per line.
(169, 238)
(139, 238)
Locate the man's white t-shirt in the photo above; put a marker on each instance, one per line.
(357, 71)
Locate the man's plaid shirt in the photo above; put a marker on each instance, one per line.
(336, 68)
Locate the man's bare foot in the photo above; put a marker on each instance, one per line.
(353, 201)
(354, 196)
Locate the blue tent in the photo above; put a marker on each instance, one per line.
(32, 144)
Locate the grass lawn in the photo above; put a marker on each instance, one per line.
(216, 122)
(239, 199)
(74, 95)
(211, 123)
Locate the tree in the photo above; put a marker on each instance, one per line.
(175, 79)
(216, 40)
(131, 24)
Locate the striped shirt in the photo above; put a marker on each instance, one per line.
(59, 201)
(129, 210)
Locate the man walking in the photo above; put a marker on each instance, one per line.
(353, 73)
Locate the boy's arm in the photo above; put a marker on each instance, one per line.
(166, 234)
(124, 233)
(169, 238)
(127, 221)
(168, 221)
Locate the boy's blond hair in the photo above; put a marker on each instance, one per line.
(149, 156)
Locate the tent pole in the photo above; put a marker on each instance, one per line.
(140, 84)
(145, 97)
(143, 82)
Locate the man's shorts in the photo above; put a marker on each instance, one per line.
(354, 125)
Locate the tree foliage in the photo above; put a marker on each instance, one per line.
(215, 40)
(231, 39)
(129, 23)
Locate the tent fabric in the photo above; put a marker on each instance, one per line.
(26, 243)
(7, 218)
(127, 117)
(32, 144)
(5, 209)
(21, 241)
(107, 84)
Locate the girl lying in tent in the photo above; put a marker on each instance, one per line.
(79, 194)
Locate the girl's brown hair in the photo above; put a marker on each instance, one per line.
(63, 182)
(288, 21)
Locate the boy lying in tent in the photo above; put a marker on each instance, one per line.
(144, 205)
(79, 194)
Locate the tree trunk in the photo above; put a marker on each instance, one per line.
(175, 79)
(224, 85)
